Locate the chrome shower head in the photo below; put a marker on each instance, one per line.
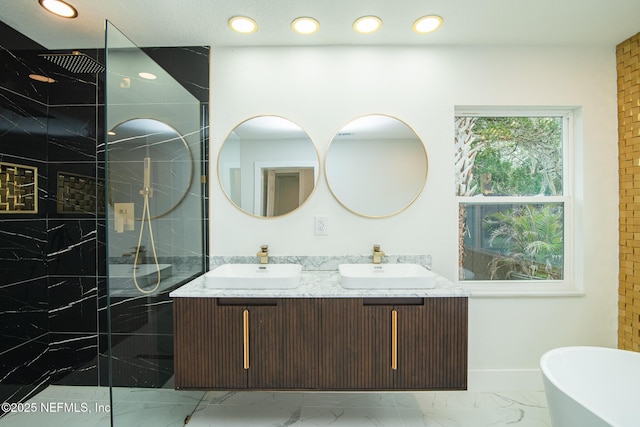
(76, 62)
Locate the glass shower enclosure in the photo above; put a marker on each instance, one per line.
(155, 156)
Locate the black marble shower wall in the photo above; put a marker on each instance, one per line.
(50, 258)
(53, 262)
(76, 214)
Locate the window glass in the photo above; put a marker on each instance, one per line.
(512, 196)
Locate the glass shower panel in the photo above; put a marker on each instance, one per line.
(154, 228)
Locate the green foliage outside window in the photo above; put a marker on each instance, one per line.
(523, 155)
(517, 157)
(530, 242)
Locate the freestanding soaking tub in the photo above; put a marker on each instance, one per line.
(592, 386)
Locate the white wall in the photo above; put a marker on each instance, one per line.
(323, 88)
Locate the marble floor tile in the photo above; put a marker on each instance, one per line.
(150, 414)
(278, 399)
(158, 395)
(349, 417)
(478, 417)
(73, 393)
(169, 408)
(63, 417)
(349, 400)
(245, 416)
(469, 400)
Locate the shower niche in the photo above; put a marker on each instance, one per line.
(18, 188)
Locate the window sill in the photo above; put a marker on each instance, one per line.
(506, 289)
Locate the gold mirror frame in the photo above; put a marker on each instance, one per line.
(188, 160)
(371, 184)
(257, 130)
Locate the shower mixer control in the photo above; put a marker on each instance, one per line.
(124, 217)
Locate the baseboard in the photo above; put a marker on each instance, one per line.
(505, 380)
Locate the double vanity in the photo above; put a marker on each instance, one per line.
(360, 326)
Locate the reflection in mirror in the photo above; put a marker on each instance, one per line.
(148, 153)
(376, 166)
(268, 166)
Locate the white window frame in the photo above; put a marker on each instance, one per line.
(507, 288)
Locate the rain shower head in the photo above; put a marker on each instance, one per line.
(76, 62)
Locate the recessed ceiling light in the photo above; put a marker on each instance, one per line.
(147, 76)
(305, 25)
(41, 78)
(367, 24)
(427, 24)
(243, 24)
(59, 8)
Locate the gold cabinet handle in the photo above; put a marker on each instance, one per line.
(245, 328)
(394, 340)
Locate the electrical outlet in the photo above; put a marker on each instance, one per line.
(320, 225)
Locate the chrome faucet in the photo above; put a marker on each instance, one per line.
(377, 254)
(263, 255)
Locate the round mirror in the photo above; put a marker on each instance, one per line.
(146, 153)
(376, 166)
(268, 166)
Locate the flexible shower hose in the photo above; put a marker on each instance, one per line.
(145, 212)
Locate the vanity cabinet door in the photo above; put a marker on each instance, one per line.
(262, 345)
(300, 351)
(236, 343)
(280, 351)
(356, 345)
(432, 345)
(394, 343)
(208, 344)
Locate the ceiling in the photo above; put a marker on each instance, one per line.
(204, 22)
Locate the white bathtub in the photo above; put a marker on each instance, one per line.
(592, 386)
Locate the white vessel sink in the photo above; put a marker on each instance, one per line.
(386, 276)
(253, 276)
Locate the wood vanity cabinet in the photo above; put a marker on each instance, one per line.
(237, 343)
(321, 343)
(394, 343)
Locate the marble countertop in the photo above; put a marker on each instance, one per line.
(318, 284)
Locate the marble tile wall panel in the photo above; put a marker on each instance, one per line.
(142, 314)
(141, 340)
(24, 362)
(188, 65)
(101, 247)
(73, 304)
(103, 359)
(73, 358)
(72, 133)
(322, 263)
(23, 130)
(23, 310)
(23, 245)
(103, 321)
(72, 247)
(76, 88)
(141, 360)
(44, 269)
(18, 58)
(24, 369)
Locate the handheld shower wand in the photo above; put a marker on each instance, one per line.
(146, 192)
(146, 187)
